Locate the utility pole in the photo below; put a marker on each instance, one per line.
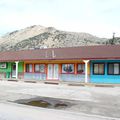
(113, 39)
(113, 35)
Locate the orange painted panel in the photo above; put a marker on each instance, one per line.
(75, 68)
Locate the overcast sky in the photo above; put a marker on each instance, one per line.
(97, 17)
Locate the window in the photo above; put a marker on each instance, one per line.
(40, 68)
(3, 65)
(81, 68)
(67, 68)
(29, 67)
(98, 68)
(113, 68)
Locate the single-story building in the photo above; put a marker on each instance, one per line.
(93, 64)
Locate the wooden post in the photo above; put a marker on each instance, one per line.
(75, 68)
(86, 70)
(16, 62)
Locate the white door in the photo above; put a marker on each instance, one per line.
(14, 70)
(56, 71)
(50, 71)
(53, 71)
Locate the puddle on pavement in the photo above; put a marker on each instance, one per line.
(95, 108)
(39, 103)
(45, 102)
(60, 105)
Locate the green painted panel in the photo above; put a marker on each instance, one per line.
(7, 69)
(20, 67)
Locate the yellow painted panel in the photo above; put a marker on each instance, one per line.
(55, 61)
(88, 68)
(24, 67)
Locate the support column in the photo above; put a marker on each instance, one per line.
(75, 68)
(86, 70)
(16, 62)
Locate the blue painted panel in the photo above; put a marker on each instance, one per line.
(62, 77)
(72, 77)
(103, 78)
(34, 76)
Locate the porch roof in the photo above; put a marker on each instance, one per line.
(70, 53)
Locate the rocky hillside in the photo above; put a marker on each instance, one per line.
(36, 37)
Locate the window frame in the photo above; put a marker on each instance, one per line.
(77, 68)
(68, 72)
(113, 69)
(39, 69)
(26, 67)
(98, 68)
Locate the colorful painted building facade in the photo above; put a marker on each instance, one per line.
(93, 64)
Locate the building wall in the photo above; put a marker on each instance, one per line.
(62, 77)
(103, 78)
(34, 76)
(21, 67)
(75, 77)
(6, 72)
(8, 69)
(21, 70)
(72, 77)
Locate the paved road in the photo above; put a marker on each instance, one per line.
(20, 112)
(90, 100)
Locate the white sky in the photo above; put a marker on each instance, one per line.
(97, 17)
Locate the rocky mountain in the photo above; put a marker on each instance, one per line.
(36, 37)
